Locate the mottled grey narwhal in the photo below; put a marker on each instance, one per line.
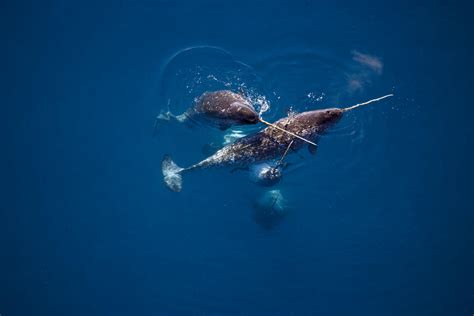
(222, 109)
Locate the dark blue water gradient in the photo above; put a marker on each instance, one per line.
(380, 220)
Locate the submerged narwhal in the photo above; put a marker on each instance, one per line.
(267, 144)
(270, 208)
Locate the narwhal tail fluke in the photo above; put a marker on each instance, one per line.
(172, 174)
(365, 103)
(165, 117)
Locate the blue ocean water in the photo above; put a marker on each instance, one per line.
(378, 222)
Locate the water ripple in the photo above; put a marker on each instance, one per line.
(194, 70)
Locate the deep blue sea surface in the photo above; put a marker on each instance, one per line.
(378, 222)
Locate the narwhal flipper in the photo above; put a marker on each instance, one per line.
(172, 174)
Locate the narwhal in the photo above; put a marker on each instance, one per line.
(223, 109)
(270, 143)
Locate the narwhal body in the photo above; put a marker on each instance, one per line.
(271, 143)
(267, 144)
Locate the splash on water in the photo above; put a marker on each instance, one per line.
(195, 70)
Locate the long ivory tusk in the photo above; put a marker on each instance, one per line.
(365, 103)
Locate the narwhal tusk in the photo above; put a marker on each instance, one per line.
(367, 102)
(286, 152)
(288, 132)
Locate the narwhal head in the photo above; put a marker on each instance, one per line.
(323, 119)
(266, 174)
(243, 113)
